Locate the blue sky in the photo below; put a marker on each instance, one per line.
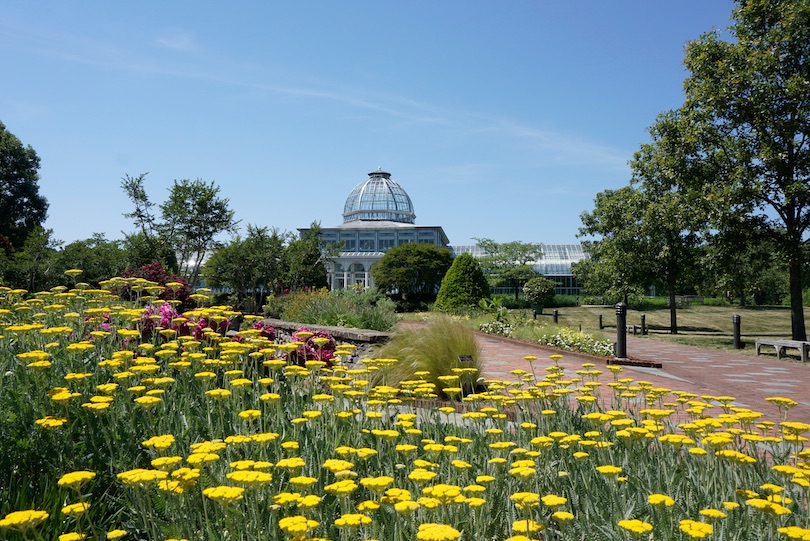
(500, 119)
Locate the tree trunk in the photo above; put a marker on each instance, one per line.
(673, 310)
(798, 331)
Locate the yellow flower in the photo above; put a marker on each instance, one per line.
(769, 507)
(224, 494)
(202, 458)
(421, 475)
(291, 463)
(341, 488)
(148, 401)
(303, 481)
(562, 516)
(22, 520)
(50, 421)
(527, 526)
(141, 478)
(525, 500)
(609, 470)
(377, 484)
(696, 530)
(249, 415)
(76, 479)
(406, 507)
(368, 505)
(116, 534)
(72, 536)
(352, 520)
(552, 500)
(75, 508)
(635, 526)
(437, 532)
(712, 513)
(795, 532)
(660, 500)
(159, 442)
(309, 501)
(297, 525)
(250, 477)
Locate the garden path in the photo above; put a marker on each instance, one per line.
(684, 368)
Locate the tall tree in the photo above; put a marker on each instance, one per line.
(620, 259)
(99, 258)
(672, 216)
(749, 100)
(510, 263)
(33, 266)
(191, 219)
(413, 270)
(193, 216)
(22, 208)
(304, 259)
(252, 266)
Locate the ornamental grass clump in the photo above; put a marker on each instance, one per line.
(237, 441)
(428, 353)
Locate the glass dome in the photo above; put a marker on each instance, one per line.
(378, 198)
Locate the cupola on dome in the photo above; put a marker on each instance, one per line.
(378, 198)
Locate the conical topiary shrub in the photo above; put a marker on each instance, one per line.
(463, 286)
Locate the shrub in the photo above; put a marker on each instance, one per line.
(341, 308)
(463, 286)
(571, 340)
(434, 348)
(716, 301)
(540, 291)
(566, 300)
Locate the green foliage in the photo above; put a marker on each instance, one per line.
(463, 286)
(540, 291)
(619, 263)
(251, 267)
(412, 272)
(572, 340)
(715, 301)
(97, 257)
(142, 250)
(367, 309)
(23, 208)
(434, 347)
(31, 267)
(304, 261)
(567, 300)
(747, 108)
(509, 263)
(191, 219)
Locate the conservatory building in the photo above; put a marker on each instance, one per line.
(378, 215)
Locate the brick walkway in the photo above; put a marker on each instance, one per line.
(701, 371)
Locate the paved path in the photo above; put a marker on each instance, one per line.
(684, 368)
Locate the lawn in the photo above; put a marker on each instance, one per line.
(698, 325)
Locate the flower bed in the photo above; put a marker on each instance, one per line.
(108, 430)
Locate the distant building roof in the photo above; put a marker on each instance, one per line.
(378, 198)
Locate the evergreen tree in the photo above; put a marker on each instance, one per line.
(463, 286)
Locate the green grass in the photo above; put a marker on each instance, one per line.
(703, 326)
(698, 325)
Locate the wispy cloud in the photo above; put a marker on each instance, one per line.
(178, 41)
(544, 145)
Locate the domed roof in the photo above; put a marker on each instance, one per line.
(378, 198)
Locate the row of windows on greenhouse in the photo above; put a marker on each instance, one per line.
(377, 241)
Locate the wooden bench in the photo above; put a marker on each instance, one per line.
(782, 345)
